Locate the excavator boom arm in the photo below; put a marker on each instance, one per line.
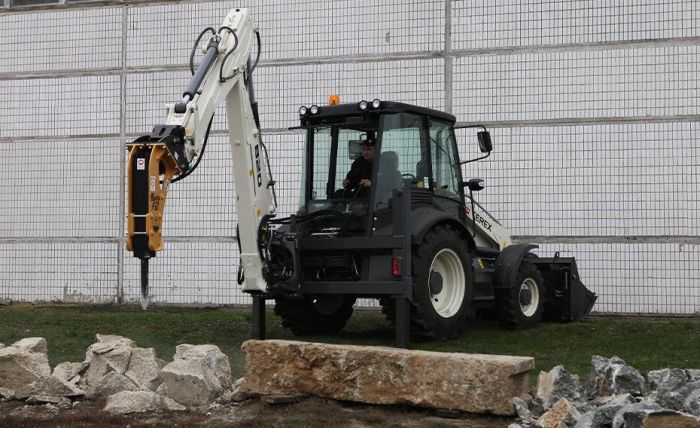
(167, 154)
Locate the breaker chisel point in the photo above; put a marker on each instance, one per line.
(144, 284)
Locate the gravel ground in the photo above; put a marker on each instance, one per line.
(310, 412)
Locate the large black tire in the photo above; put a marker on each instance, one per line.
(311, 315)
(521, 305)
(438, 313)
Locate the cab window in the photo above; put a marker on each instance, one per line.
(401, 156)
(443, 159)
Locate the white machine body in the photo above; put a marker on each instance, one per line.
(252, 180)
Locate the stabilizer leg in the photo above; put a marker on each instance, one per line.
(258, 318)
(403, 323)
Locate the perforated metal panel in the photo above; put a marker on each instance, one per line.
(593, 106)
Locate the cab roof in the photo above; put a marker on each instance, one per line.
(350, 112)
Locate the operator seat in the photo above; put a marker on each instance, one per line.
(388, 178)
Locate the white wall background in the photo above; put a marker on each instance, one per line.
(594, 108)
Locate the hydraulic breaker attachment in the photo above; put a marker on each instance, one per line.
(153, 161)
(567, 299)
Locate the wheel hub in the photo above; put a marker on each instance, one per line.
(525, 297)
(447, 283)
(529, 297)
(435, 283)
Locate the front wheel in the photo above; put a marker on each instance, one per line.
(442, 285)
(522, 304)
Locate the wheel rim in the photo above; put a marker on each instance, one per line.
(451, 296)
(529, 288)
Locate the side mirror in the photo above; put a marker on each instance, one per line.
(475, 184)
(484, 141)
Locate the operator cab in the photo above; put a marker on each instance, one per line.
(414, 148)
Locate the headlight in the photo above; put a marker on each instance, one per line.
(302, 111)
(363, 105)
(314, 109)
(375, 103)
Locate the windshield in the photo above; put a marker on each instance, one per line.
(341, 158)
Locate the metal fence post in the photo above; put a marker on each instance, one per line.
(448, 56)
(122, 157)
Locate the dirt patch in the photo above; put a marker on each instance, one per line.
(312, 411)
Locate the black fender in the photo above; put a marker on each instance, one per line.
(508, 263)
(423, 219)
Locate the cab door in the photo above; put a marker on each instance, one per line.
(446, 173)
(403, 157)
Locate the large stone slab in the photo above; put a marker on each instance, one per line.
(468, 382)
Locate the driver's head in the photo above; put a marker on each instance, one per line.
(368, 147)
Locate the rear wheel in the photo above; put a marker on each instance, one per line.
(441, 285)
(315, 314)
(521, 305)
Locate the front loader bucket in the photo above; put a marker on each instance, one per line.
(567, 299)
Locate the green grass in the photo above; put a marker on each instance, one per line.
(646, 344)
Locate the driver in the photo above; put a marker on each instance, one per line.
(361, 169)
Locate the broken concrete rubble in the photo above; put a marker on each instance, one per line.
(603, 415)
(101, 363)
(197, 376)
(107, 361)
(613, 377)
(562, 413)
(667, 378)
(672, 387)
(20, 366)
(213, 358)
(131, 379)
(33, 344)
(556, 384)
(521, 408)
(467, 382)
(144, 368)
(692, 403)
(109, 384)
(113, 365)
(126, 402)
(52, 386)
(60, 402)
(69, 372)
(233, 394)
(603, 407)
(6, 393)
(633, 415)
